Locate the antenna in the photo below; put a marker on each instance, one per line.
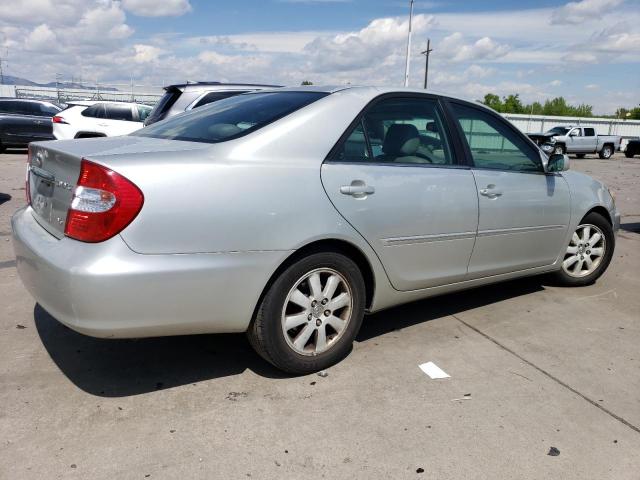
(406, 67)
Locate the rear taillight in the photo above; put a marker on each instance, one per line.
(104, 203)
(59, 119)
(27, 188)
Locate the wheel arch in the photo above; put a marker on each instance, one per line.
(599, 209)
(327, 245)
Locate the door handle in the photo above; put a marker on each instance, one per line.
(38, 122)
(357, 189)
(491, 191)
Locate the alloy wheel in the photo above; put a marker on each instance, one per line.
(585, 251)
(317, 311)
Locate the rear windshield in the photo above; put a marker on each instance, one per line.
(230, 118)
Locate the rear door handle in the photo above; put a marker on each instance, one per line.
(491, 191)
(357, 189)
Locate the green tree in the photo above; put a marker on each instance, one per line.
(493, 101)
(306, 82)
(512, 104)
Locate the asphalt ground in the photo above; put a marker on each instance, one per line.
(532, 366)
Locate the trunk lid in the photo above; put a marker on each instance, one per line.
(54, 168)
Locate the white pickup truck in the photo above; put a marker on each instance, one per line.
(578, 140)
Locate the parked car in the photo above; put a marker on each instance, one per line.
(23, 121)
(633, 148)
(85, 119)
(187, 96)
(290, 213)
(577, 140)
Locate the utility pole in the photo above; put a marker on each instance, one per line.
(426, 64)
(406, 67)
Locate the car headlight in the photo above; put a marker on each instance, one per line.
(547, 147)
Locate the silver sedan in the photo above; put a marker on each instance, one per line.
(288, 214)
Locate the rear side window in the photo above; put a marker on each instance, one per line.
(165, 103)
(95, 111)
(11, 106)
(214, 97)
(589, 132)
(230, 118)
(45, 110)
(119, 112)
(493, 144)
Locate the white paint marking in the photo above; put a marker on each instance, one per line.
(433, 370)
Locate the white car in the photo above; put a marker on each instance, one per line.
(86, 119)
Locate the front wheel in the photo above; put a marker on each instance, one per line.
(589, 252)
(311, 314)
(606, 152)
(558, 150)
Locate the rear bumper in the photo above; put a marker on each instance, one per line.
(107, 290)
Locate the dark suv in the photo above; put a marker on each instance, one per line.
(23, 121)
(187, 96)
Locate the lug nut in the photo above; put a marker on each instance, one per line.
(324, 301)
(314, 303)
(309, 317)
(318, 322)
(327, 313)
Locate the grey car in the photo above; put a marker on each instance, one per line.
(187, 96)
(288, 214)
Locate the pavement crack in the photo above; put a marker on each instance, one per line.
(549, 375)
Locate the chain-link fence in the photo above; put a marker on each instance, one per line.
(63, 94)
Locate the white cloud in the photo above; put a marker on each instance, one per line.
(455, 48)
(555, 83)
(41, 39)
(592, 86)
(376, 44)
(146, 53)
(157, 8)
(583, 11)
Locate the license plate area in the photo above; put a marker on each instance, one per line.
(42, 186)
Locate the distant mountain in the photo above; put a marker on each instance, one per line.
(11, 80)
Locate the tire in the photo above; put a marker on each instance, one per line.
(558, 149)
(626, 154)
(299, 350)
(573, 273)
(606, 152)
(580, 155)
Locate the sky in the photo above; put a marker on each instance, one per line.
(587, 50)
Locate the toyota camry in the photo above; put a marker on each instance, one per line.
(288, 214)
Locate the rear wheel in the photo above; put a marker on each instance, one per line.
(310, 315)
(606, 152)
(589, 252)
(626, 154)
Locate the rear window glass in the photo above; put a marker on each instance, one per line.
(230, 118)
(215, 96)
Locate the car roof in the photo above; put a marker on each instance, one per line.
(217, 85)
(373, 91)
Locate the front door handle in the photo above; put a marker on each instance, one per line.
(357, 189)
(491, 191)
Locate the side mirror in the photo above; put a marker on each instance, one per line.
(558, 162)
(431, 127)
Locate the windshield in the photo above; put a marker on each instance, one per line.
(558, 131)
(230, 118)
